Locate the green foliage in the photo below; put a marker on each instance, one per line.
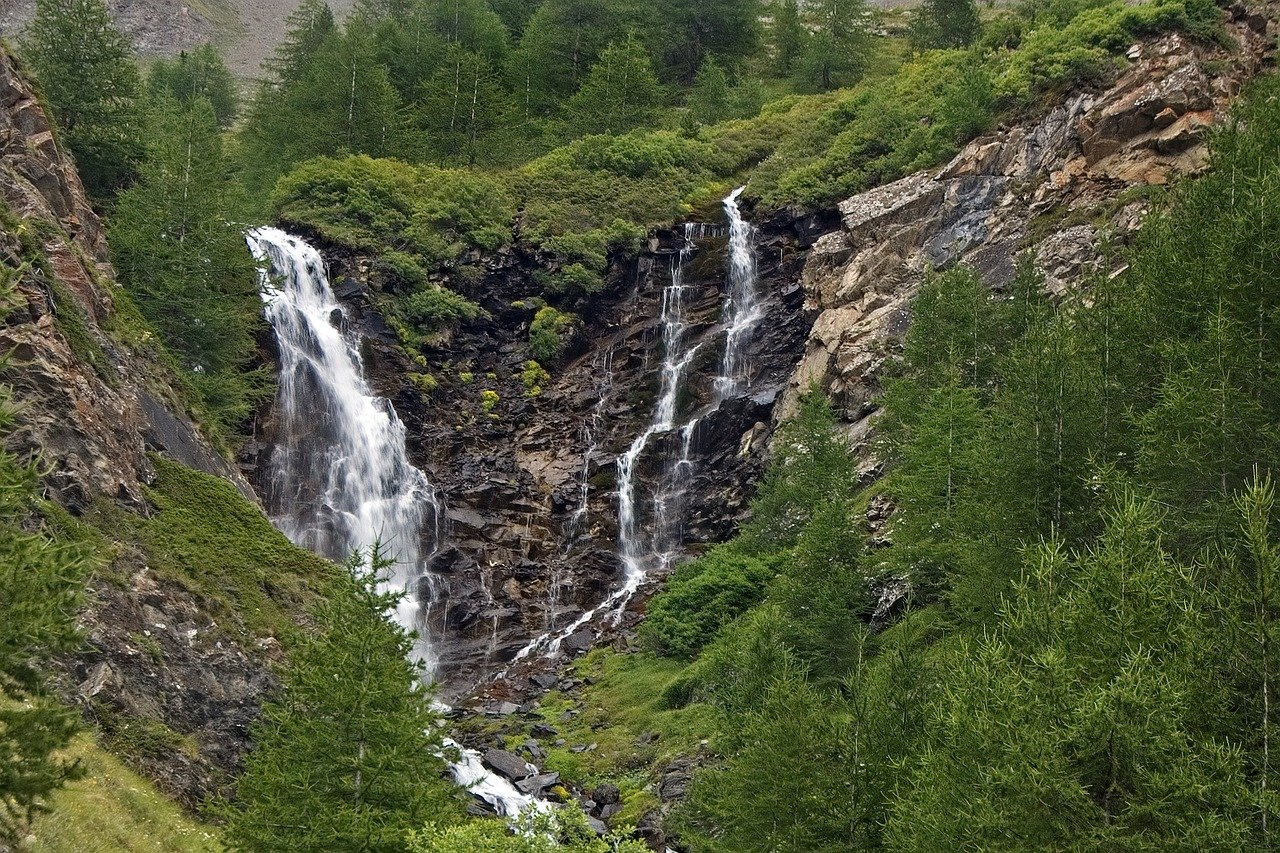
(199, 74)
(945, 24)
(86, 70)
(382, 204)
(1083, 505)
(533, 377)
(489, 401)
(184, 261)
(204, 534)
(561, 831)
(811, 464)
(619, 94)
(837, 46)
(549, 333)
(41, 587)
(603, 192)
(709, 98)
(330, 97)
(701, 597)
(347, 759)
(434, 308)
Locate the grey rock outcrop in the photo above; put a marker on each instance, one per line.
(1053, 187)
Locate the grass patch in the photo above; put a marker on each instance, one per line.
(206, 536)
(624, 701)
(114, 810)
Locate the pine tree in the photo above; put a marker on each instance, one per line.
(307, 28)
(619, 94)
(837, 49)
(709, 98)
(562, 42)
(690, 31)
(85, 68)
(41, 583)
(463, 110)
(347, 758)
(788, 36)
(178, 250)
(944, 24)
(201, 73)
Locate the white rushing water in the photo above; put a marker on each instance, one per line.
(743, 308)
(340, 476)
(643, 547)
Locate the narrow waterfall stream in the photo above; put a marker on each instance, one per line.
(657, 544)
(340, 477)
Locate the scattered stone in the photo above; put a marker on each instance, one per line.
(507, 764)
(542, 730)
(538, 783)
(609, 810)
(676, 780)
(579, 642)
(606, 794)
(597, 826)
(545, 680)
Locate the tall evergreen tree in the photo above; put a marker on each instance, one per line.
(944, 23)
(692, 30)
(561, 44)
(463, 109)
(348, 758)
(201, 73)
(837, 49)
(619, 94)
(85, 66)
(178, 250)
(787, 35)
(709, 98)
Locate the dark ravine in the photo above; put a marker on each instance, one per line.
(511, 479)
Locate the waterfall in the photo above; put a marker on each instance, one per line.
(340, 477)
(743, 309)
(659, 544)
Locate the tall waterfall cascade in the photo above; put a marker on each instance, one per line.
(654, 541)
(340, 478)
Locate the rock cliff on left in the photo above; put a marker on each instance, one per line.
(172, 675)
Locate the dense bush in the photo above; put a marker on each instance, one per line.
(701, 597)
(603, 192)
(383, 204)
(549, 333)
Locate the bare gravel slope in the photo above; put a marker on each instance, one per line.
(248, 30)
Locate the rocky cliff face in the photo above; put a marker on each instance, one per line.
(1057, 187)
(530, 482)
(93, 405)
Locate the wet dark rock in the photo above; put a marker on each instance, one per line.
(606, 794)
(507, 764)
(535, 785)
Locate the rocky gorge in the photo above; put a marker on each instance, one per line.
(529, 481)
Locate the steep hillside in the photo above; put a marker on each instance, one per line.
(195, 592)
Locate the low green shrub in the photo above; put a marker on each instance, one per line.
(702, 597)
(549, 333)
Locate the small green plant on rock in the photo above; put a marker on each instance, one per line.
(549, 333)
(534, 376)
(488, 400)
(424, 382)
